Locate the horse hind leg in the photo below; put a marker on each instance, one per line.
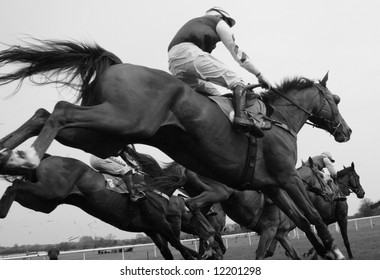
(30, 128)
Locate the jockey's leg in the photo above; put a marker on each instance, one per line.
(241, 121)
(134, 194)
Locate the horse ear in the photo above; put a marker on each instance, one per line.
(311, 162)
(324, 80)
(353, 165)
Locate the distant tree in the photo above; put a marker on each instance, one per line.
(110, 236)
(365, 208)
(86, 241)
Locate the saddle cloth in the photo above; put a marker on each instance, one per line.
(115, 184)
(255, 108)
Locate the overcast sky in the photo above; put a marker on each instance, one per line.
(283, 38)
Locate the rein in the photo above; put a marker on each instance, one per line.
(161, 194)
(322, 90)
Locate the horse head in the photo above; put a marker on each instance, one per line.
(327, 116)
(351, 180)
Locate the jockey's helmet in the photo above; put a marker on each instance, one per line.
(328, 155)
(217, 11)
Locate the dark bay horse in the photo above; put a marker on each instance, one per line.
(256, 214)
(181, 219)
(60, 180)
(125, 103)
(336, 211)
(253, 211)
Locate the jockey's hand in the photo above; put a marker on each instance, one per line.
(264, 81)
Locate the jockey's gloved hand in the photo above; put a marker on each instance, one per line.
(264, 81)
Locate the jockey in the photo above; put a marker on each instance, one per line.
(191, 61)
(128, 169)
(325, 164)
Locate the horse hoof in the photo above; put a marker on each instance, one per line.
(204, 257)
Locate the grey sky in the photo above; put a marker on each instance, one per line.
(283, 38)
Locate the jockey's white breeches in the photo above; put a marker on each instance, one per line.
(200, 69)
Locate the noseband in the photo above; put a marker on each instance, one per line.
(334, 124)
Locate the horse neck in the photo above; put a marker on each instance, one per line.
(292, 115)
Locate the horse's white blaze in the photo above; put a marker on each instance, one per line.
(27, 159)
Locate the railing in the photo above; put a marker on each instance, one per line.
(352, 223)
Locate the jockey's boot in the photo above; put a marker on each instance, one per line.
(241, 121)
(134, 194)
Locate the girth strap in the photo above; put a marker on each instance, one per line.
(249, 168)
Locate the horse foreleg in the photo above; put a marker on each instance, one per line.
(6, 202)
(287, 245)
(343, 231)
(161, 244)
(266, 237)
(168, 234)
(294, 188)
(283, 201)
(272, 248)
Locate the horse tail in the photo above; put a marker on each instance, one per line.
(65, 63)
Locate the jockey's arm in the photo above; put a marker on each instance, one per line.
(227, 37)
(330, 167)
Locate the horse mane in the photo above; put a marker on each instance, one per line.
(169, 177)
(344, 171)
(65, 63)
(296, 83)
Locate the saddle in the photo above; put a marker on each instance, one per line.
(255, 108)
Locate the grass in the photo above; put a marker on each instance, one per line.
(365, 244)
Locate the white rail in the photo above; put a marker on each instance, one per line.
(195, 240)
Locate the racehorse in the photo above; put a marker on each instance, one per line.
(257, 214)
(181, 219)
(60, 180)
(336, 211)
(126, 103)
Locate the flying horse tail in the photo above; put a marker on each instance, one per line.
(65, 63)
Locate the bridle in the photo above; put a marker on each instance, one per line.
(357, 183)
(315, 172)
(323, 90)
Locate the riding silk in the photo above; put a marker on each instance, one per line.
(200, 31)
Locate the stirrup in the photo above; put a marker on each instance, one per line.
(246, 126)
(139, 196)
